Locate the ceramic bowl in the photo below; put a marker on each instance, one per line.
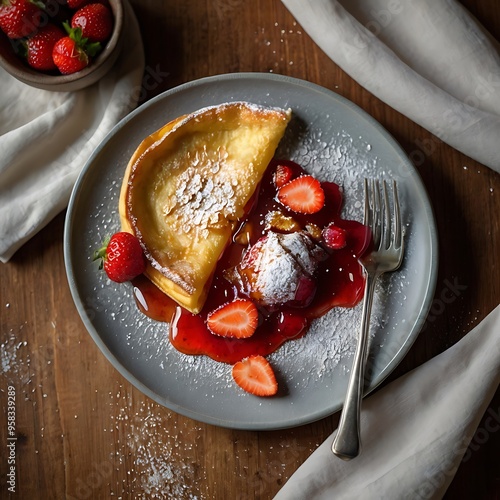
(103, 62)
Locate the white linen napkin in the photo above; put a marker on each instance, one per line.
(415, 430)
(46, 138)
(430, 60)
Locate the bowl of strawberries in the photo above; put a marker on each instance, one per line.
(60, 45)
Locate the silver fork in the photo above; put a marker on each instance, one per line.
(387, 255)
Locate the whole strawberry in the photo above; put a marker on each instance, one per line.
(121, 257)
(68, 56)
(72, 53)
(95, 20)
(20, 18)
(39, 47)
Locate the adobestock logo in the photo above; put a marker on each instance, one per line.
(449, 293)
(380, 20)
(152, 78)
(224, 7)
(43, 16)
(383, 17)
(483, 433)
(288, 454)
(456, 118)
(463, 449)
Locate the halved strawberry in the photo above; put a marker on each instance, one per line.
(303, 195)
(237, 319)
(256, 376)
(282, 175)
(334, 237)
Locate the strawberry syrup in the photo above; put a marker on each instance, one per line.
(339, 277)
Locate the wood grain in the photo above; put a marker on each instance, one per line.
(84, 432)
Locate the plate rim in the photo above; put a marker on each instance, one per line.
(310, 417)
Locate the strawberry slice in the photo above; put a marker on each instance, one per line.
(237, 319)
(256, 376)
(303, 195)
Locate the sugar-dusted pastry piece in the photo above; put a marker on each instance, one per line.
(279, 269)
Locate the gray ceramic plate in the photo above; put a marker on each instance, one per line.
(333, 139)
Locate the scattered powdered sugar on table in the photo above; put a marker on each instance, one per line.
(15, 357)
(162, 449)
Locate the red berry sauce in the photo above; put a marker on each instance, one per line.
(339, 277)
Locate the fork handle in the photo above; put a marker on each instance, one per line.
(346, 444)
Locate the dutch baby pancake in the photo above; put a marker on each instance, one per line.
(186, 187)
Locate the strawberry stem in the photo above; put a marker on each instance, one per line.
(76, 34)
(100, 253)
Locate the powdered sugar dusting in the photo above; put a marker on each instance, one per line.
(277, 272)
(330, 340)
(302, 248)
(335, 159)
(202, 199)
(281, 261)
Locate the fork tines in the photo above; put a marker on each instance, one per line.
(377, 214)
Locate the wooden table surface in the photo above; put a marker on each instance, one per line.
(85, 432)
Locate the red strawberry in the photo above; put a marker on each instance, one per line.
(306, 289)
(19, 18)
(303, 195)
(73, 52)
(334, 237)
(122, 257)
(237, 319)
(282, 175)
(95, 20)
(39, 47)
(68, 56)
(256, 376)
